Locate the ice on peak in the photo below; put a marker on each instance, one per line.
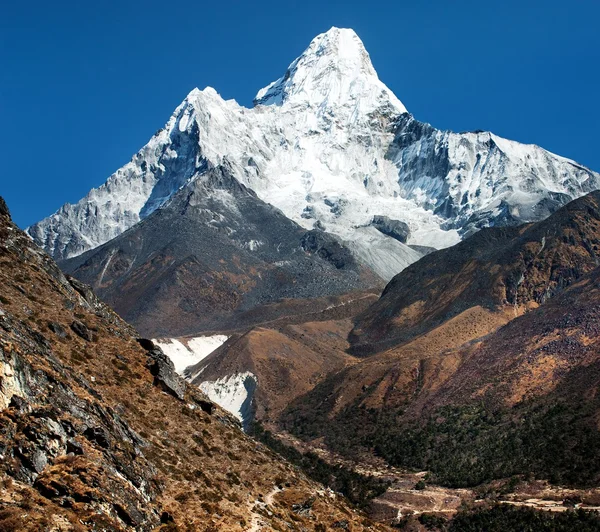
(334, 70)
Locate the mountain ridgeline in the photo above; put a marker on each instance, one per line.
(479, 362)
(333, 148)
(217, 257)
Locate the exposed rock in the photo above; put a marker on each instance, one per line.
(304, 508)
(206, 406)
(330, 248)
(163, 369)
(19, 404)
(4, 208)
(342, 524)
(57, 329)
(146, 344)
(82, 330)
(73, 446)
(97, 435)
(394, 228)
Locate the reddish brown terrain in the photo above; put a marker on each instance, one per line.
(288, 359)
(98, 433)
(480, 361)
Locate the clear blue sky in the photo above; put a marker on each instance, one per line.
(84, 85)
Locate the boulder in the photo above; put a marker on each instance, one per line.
(82, 330)
(162, 368)
(394, 228)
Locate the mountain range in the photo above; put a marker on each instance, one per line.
(382, 299)
(333, 148)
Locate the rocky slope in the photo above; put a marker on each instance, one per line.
(447, 299)
(217, 258)
(330, 146)
(97, 432)
(257, 374)
(482, 360)
(500, 271)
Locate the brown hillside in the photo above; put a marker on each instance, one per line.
(482, 379)
(94, 434)
(496, 269)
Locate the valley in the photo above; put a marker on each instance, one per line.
(314, 313)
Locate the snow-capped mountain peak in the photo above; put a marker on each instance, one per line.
(331, 147)
(335, 70)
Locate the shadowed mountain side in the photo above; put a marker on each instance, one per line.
(217, 258)
(523, 400)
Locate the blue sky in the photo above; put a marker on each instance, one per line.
(84, 85)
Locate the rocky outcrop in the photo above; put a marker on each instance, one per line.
(163, 369)
(4, 208)
(329, 248)
(394, 228)
(51, 431)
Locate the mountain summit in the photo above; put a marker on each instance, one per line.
(331, 147)
(335, 70)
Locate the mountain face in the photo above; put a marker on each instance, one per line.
(216, 257)
(500, 270)
(331, 147)
(98, 433)
(482, 360)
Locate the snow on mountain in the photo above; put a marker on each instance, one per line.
(233, 393)
(332, 147)
(335, 70)
(185, 352)
(478, 179)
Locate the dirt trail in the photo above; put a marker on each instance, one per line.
(257, 523)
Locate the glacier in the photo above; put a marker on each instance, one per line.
(332, 147)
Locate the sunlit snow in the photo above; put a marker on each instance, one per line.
(319, 144)
(189, 351)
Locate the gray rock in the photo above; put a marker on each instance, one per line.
(39, 461)
(329, 248)
(82, 330)
(162, 368)
(394, 228)
(97, 435)
(57, 329)
(73, 446)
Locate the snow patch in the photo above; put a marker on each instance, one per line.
(185, 352)
(233, 393)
